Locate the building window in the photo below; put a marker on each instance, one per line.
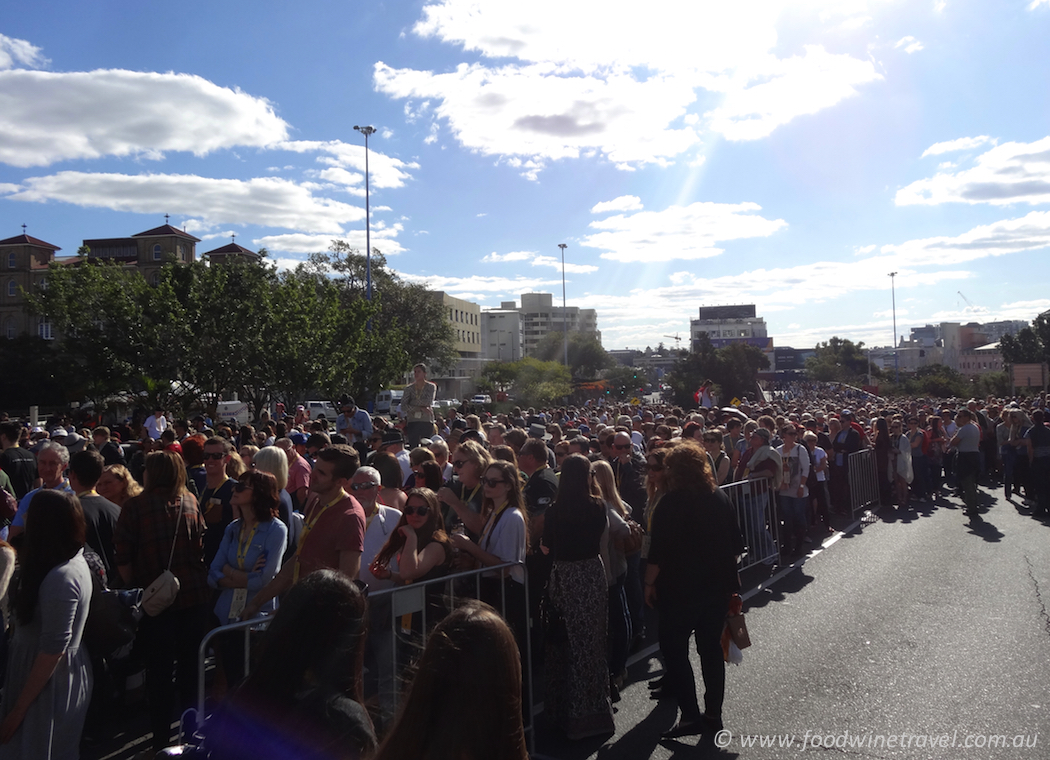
(12, 289)
(44, 330)
(10, 328)
(12, 260)
(156, 252)
(42, 283)
(155, 279)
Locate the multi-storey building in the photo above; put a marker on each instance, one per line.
(725, 325)
(539, 317)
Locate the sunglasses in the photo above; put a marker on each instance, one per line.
(241, 487)
(621, 446)
(421, 511)
(457, 463)
(213, 455)
(492, 482)
(363, 486)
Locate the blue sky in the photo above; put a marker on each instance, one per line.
(789, 154)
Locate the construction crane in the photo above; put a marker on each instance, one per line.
(965, 299)
(677, 340)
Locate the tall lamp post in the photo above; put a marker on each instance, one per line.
(564, 310)
(896, 355)
(366, 131)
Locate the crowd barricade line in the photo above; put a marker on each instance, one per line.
(411, 599)
(756, 513)
(863, 481)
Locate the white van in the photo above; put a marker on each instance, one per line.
(233, 410)
(388, 402)
(317, 408)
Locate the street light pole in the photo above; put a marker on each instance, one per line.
(896, 354)
(564, 310)
(366, 131)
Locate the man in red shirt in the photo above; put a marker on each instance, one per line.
(334, 529)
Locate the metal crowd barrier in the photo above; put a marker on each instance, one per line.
(756, 511)
(863, 481)
(386, 609)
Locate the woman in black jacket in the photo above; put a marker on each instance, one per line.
(691, 575)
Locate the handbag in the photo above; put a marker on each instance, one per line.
(160, 594)
(738, 630)
(634, 541)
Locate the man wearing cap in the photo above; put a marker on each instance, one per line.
(394, 443)
(845, 442)
(355, 424)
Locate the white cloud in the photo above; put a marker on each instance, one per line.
(265, 201)
(385, 240)
(1008, 173)
(480, 288)
(569, 79)
(49, 117)
(1027, 233)
(910, 44)
(939, 5)
(623, 203)
(854, 23)
(555, 263)
(963, 143)
(864, 249)
(383, 171)
(677, 232)
(1036, 3)
(15, 52)
(536, 260)
(793, 87)
(494, 257)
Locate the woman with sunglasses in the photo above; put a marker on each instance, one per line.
(503, 538)
(464, 494)
(419, 542)
(249, 557)
(576, 668)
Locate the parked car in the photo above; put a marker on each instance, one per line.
(481, 398)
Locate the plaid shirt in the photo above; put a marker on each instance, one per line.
(143, 539)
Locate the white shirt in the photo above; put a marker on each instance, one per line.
(155, 426)
(376, 535)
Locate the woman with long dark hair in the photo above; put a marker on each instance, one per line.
(691, 576)
(576, 668)
(249, 557)
(158, 527)
(48, 683)
(303, 698)
(465, 698)
(419, 542)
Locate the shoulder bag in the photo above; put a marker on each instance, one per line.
(160, 594)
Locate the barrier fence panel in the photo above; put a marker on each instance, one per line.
(756, 512)
(401, 619)
(863, 481)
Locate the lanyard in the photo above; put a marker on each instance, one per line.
(309, 526)
(243, 546)
(493, 519)
(371, 517)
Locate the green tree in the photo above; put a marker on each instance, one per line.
(733, 370)
(586, 355)
(500, 375)
(110, 327)
(538, 383)
(1027, 347)
(623, 381)
(409, 321)
(840, 360)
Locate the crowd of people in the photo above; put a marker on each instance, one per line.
(607, 510)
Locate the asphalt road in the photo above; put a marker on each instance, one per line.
(922, 627)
